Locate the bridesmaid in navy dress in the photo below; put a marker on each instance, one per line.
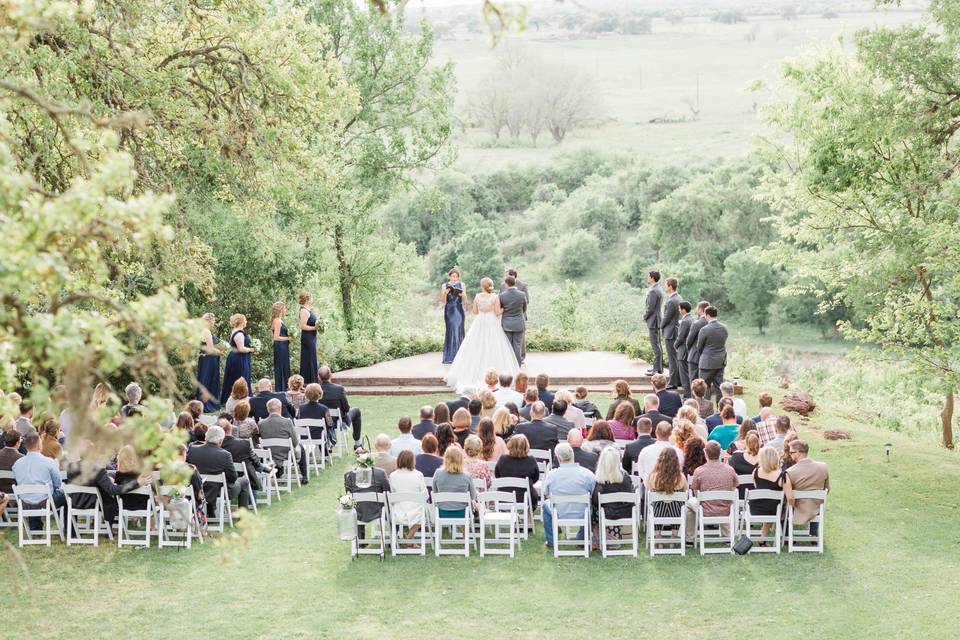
(452, 297)
(208, 368)
(238, 361)
(308, 340)
(281, 347)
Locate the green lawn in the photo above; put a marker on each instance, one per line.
(891, 569)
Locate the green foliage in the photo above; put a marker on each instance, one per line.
(548, 192)
(577, 253)
(435, 214)
(731, 16)
(636, 24)
(476, 252)
(382, 347)
(751, 285)
(565, 308)
(595, 211)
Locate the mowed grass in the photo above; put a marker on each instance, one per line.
(890, 570)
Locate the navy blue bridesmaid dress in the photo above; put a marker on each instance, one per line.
(238, 366)
(208, 375)
(281, 360)
(454, 319)
(308, 350)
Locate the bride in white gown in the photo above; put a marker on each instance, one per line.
(485, 346)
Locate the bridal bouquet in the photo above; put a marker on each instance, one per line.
(255, 344)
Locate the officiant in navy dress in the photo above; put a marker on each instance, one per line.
(453, 296)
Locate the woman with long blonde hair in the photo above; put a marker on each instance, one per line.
(281, 347)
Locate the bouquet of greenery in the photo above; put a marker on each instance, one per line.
(255, 344)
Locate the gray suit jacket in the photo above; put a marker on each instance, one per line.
(671, 315)
(654, 302)
(712, 345)
(561, 424)
(521, 286)
(514, 302)
(693, 353)
(683, 330)
(275, 426)
(25, 428)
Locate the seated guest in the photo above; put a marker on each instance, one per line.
(716, 419)
(242, 453)
(699, 389)
(246, 427)
(462, 402)
(529, 398)
(740, 443)
(490, 379)
(712, 476)
(539, 434)
(264, 393)
(599, 437)
(196, 482)
(764, 401)
(426, 424)
(693, 455)
(99, 477)
(199, 434)
(492, 446)
(504, 423)
(275, 426)
(451, 478)
(505, 393)
(445, 437)
(8, 456)
(682, 432)
(518, 463)
(768, 477)
(782, 427)
(648, 458)
(406, 479)
(36, 468)
(405, 441)
(622, 423)
(543, 395)
(296, 387)
(312, 409)
(727, 390)
(461, 425)
(335, 397)
(632, 451)
(583, 457)
(134, 395)
(573, 413)
(581, 402)
(185, 424)
(611, 478)
(514, 411)
(651, 410)
(667, 477)
(670, 401)
(50, 439)
(568, 479)
(488, 404)
(690, 413)
(766, 426)
(238, 392)
(367, 511)
(556, 419)
(521, 383)
(441, 413)
(786, 460)
(474, 409)
(211, 459)
(195, 409)
(744, 461)
(804, 475)
(24, 423)
(621, 394)
(474, 465)
(381, 454)
(129, 469)
(428, 462)
(725, 433)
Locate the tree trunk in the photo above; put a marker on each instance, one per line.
(946, 420)
(343, 281)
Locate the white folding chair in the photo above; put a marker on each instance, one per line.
(774, 521)
(127, 534)
(9, 517)
(340, 448)
(619, 498)
(744, 482)
(365, 545)
(241, 469)
(571, 546)
(524, 507)
(479, 484)
(400, 545)
(268, 480)
(177, 519)
(222, 513)
(544, 462)
(805, 542)
(666, 542)
(498, 512)
(710, 536)
(452, 522)
(491, 466)
(316, 449)
(45, 509)
(288, 464)
(85, 525)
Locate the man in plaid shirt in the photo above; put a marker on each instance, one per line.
(766, 427)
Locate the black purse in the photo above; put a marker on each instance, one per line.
(743, 546)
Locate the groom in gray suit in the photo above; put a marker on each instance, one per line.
(513, 303)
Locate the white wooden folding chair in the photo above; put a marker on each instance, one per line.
(498, 512)
(288, 464)
(633, 500)
(524, 507)
(241, 469)
(85, 525)
(367, 545)
(750, 520)
(657, 541)
(453, 523)
(803, 541)
(710, 536)
(744, 482)
(571, 546)
(268, 479)
(400, 545)
(128, 535)
(491, 466)
(223, 512)
(340, 448)
(316, 449)
(544, 461)
(177, 520)
(45, 510)
(9, 517)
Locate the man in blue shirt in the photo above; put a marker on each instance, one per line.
(568, 479)
(35, 468)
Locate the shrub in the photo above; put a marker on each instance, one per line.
(577, 253)
(548, 192)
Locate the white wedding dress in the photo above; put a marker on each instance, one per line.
(484, 347)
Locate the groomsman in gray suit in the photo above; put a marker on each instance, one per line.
(513, 302)
(712, 345)
(652, 316)
(693, 354)
(521, 287)
(671, 316)
(680, 347)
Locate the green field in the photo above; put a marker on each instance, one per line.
(891, 570)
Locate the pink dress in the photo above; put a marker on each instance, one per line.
(477, 468)
(622, 431)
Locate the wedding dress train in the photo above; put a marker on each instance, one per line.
(484, 347)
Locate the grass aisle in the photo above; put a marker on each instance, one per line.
(891, 569)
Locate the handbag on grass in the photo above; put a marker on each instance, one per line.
(743, 545)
